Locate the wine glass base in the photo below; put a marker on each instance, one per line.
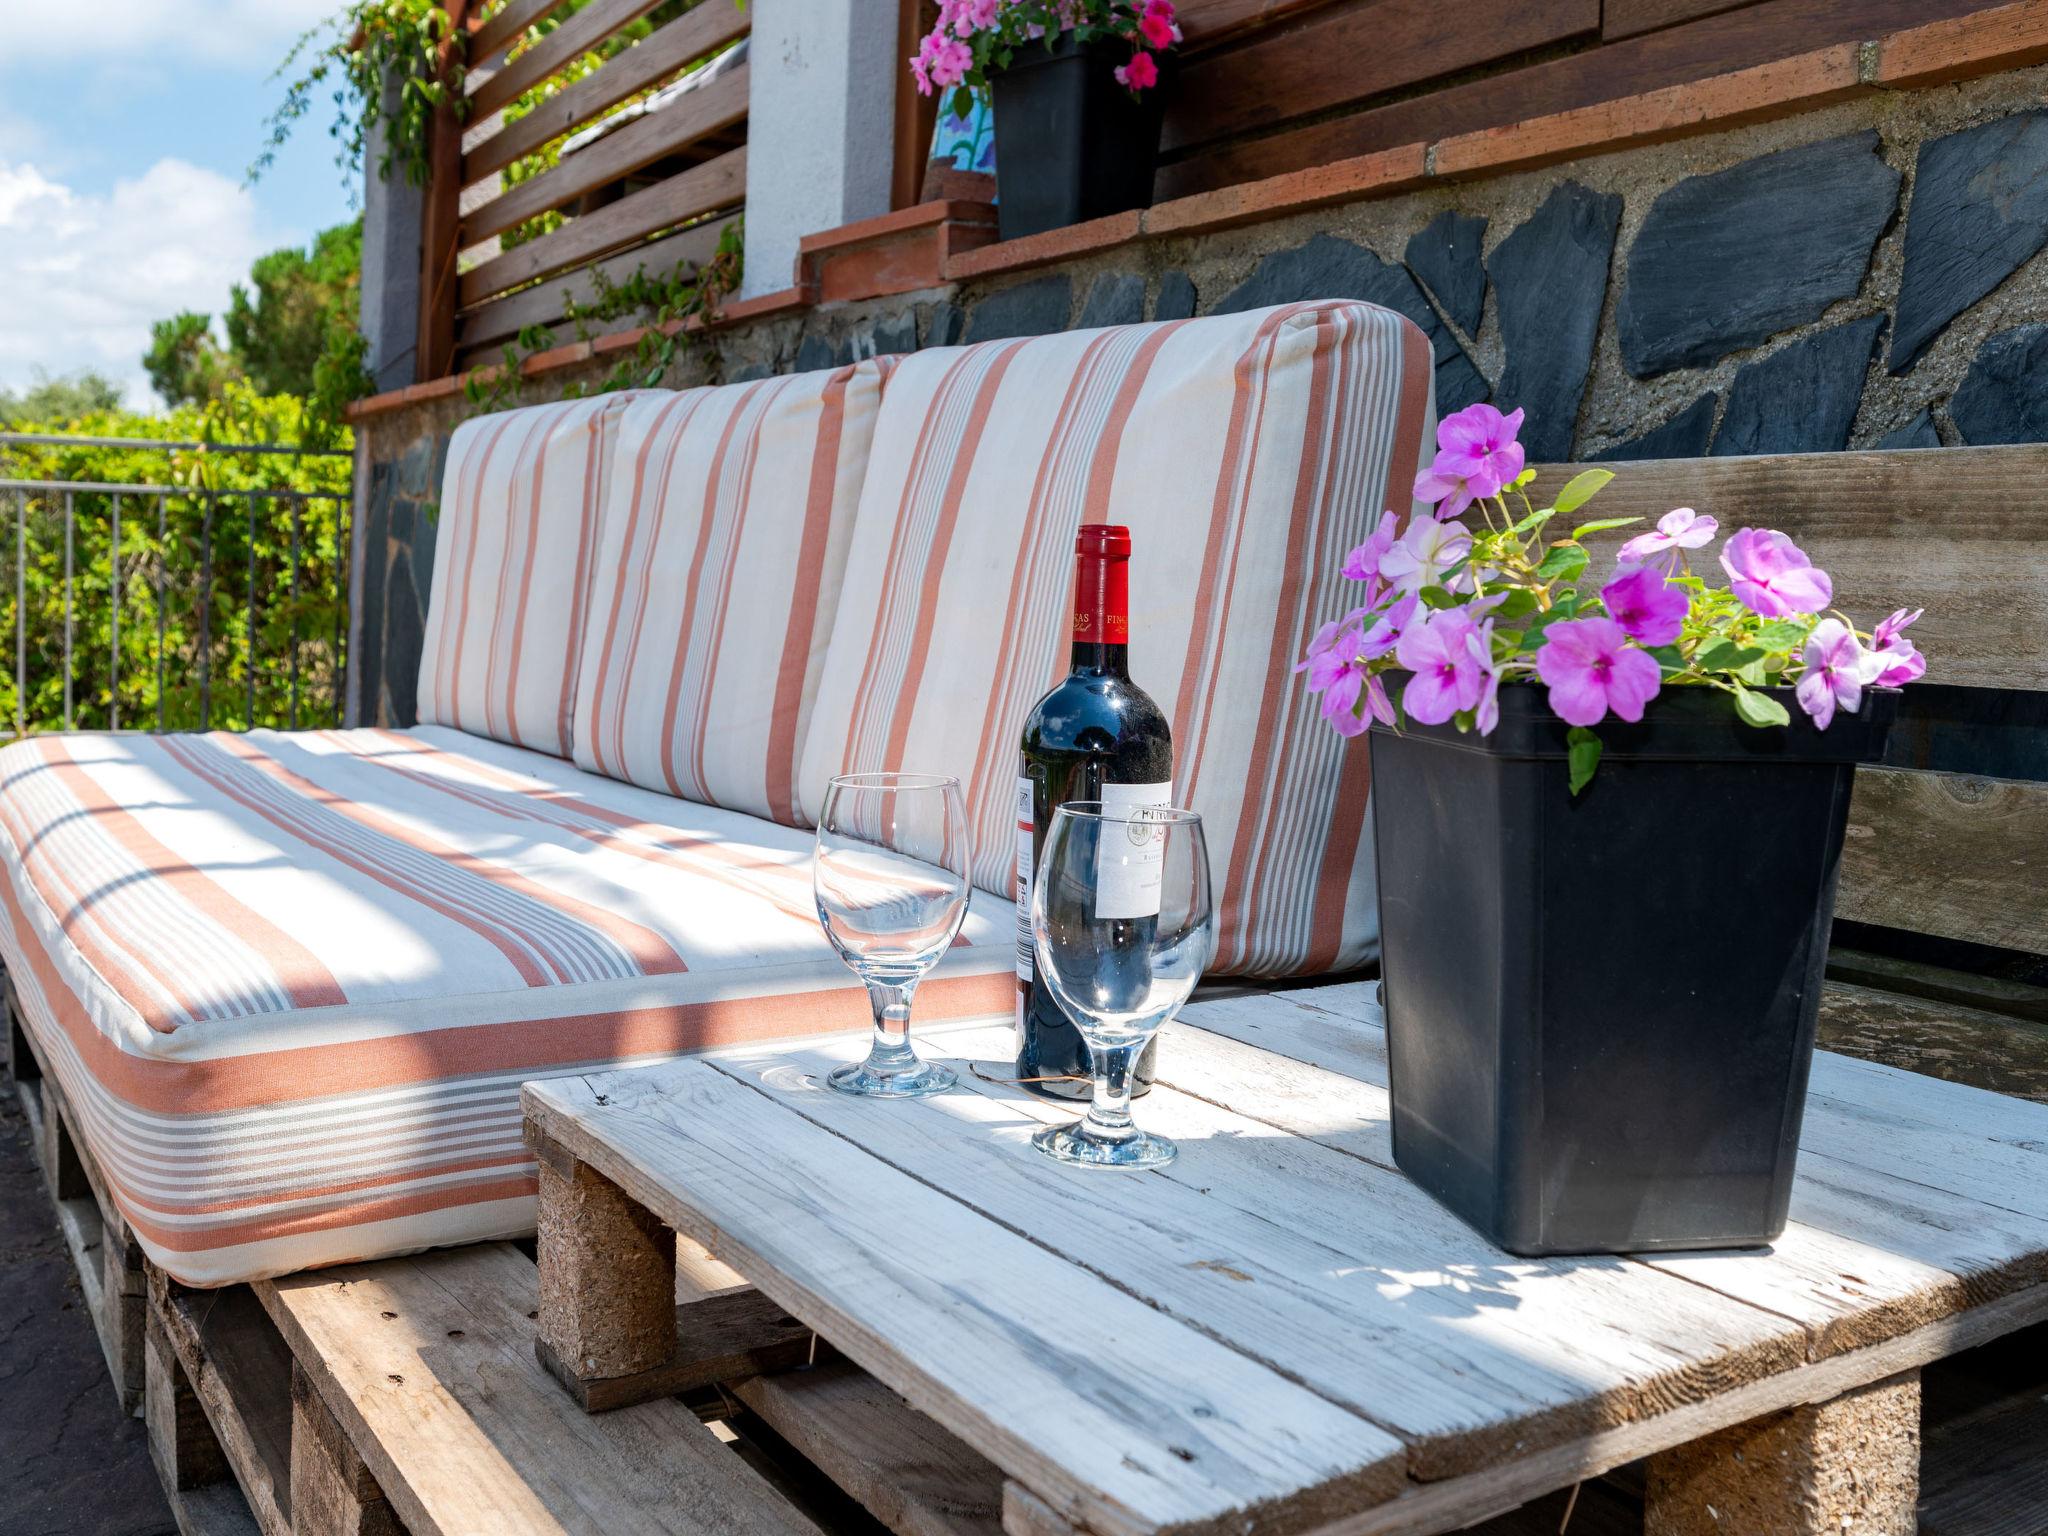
(1070, 1144)
(914, 1082)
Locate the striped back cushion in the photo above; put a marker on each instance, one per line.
(1247, 453)
(520, 505)
(720, 561)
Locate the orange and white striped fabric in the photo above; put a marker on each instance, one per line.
(521, 502)
(1247, 453)
(290, 984)
(723, 542)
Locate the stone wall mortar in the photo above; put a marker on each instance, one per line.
(1154, 278)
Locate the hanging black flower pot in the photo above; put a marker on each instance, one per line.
(1071, 142)
(1601, 1009)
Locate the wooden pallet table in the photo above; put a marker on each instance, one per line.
(1279, 1333)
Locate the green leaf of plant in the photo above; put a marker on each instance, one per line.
(1602, 524)
(1526, 477)
(1583, 750)
(1725, 655)
(1781, 634)
(1437, 597)
(1760, 709)
(1667, 657)
(1582, 488)
(1562, 563)
(1750, 672)
(1534, 520)
(1519, 603)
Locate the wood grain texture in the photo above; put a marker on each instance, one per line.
(901, 1466)
(676, 127)
(1866, 518)
(578, 33)
(1346, 1278)
(1205, 23)
(1625, 18)
(1354, 51)
(505, 24)
(498, 319)
(2001, 37)
(1121, 1418)
(1711, 45)
(713, 187)
(1935, 1038)
(648, 63)
(240, 1372)
(427, 1364)
(1949, 854)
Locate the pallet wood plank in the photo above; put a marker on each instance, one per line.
(717, 106)
(901, 1466)
(1350, 1280)
(1158, 1423)
(427, 1363)
(692, 36)
(1853, 512)
(577, 34)
(240, 1371)
(1950, 854)
(715, 186)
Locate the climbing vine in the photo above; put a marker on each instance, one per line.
(663, 304)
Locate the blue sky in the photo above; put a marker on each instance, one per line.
(126, 127)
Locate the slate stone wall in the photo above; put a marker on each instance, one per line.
(1868, 275)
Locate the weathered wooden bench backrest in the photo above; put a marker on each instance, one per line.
(1949, 837)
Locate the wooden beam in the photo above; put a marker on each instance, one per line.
(690, 37)
(544, 303)
(1962, 512)
(578, 34)
(503, 28)
(717, 106)
(718, 184)
(915, 115)
(441, 220)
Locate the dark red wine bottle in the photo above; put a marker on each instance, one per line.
(1096, 736)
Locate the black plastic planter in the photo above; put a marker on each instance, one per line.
(1071, 143)
(1601, 1010)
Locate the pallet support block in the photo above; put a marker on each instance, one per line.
(181, 1442)
(1850, 1464)
(333, 1492)
(610, 1328)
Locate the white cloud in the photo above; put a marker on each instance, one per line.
(83, 277)
(159, 31)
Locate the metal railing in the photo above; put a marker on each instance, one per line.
(208, 597)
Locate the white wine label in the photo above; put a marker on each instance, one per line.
(1130, 857)
(1024, 825)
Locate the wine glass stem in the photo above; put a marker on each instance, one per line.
(1109, 1113)
(891, 1049)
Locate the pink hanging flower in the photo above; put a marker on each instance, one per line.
(1450, 672)
(1377, 701)
(920, 74)
(1591, 668)
(1422, 554)
(1898, 660)
(1387, 630)
(1363, 563)
(1647, 606)
(1140, 74)
(1837, 671)
(1772, 576)
(1476, 455)
(946, 60)
(1157, 27)
(971, 16)
(1486, 713)
(1662, 547)
(1336, 670)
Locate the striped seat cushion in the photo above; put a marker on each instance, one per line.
(521, 501)
(1247, 453)
(290, 984)
(719, 564)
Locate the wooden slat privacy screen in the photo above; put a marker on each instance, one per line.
(651, 192)
(1270, 86)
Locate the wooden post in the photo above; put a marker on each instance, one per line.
(181, 1442)
(441, 219)
(916, 115)
(333, 1492)
(1851, 1464)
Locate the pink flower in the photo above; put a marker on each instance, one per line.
(1772, 576)
(1900, 663)
(1486, 713)
(921, 75)
(1450, 671)
(1377, 701)
(946, 59)
(1337, 671)
(1643, 603)
(1140, 74)
(1363, 563)
(971, 16)
(1591, 669)
(1679, 529)
(1387, 630)
(1837, 671)
(1422, 554)
(1156, 26)
(1476, 455)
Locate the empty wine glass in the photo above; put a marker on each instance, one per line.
(1122, 927)
(891, 882)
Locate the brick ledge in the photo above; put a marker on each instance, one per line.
(1933, 53)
